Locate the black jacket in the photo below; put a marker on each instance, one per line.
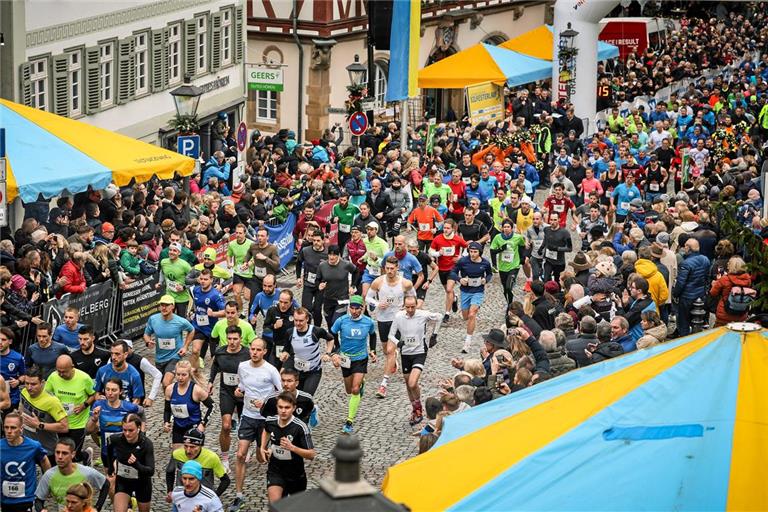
(575, 348)
(381, 204)
(607, 350)
(545, 312)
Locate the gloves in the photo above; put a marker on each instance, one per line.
(433, 340)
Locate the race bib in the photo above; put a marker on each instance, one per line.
(251, 405)
(68, 408)
(374, 271)
(14, 489)
(230, 379)
(559, 208)
(411, 341)
(475, 281)
(424, 227)
(280, 453)
(127, 471)
(278, 350)
(448, 251)
(454, 197)
(654, 187)
(345, 228)
(550, 254)
(180, 411)
(344, 361)
(201, 320)
(508, 256)
(301, 364)
(166, 343)
(624, 205)
(260, 271)
(311, 277)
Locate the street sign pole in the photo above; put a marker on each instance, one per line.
(242, 142)
(3, 191)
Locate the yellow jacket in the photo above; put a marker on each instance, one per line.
(657, 285)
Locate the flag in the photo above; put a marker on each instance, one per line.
(404, 50)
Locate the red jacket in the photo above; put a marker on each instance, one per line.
(722, 289)
(75, 279)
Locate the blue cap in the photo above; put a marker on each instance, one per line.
(192, 468)
(476, 245)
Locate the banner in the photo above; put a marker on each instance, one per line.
(324, 213)
(629, 36)
(94, 304)
(282, 237)
(139, 302)
(485, 102)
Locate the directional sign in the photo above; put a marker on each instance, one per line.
(358, 123)
(189, 145)
(242, 136)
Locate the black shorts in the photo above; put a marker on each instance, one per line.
(177, 433)
(290, 486)
(250, 429)
(228, 404)
(444, 276)
(167, 367)
(236, 279)
(139, 487)
(421, 293)
(19, 507)
(201, 336)
(384, 328)
(525, 253)
(413, 361)
(360, 366)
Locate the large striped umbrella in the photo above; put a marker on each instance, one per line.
(680, 426)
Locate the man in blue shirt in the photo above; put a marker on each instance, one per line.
(409, 265)
(133, 389)
(67, 332)
(353, 330)
(45, 352)
(11, 366)
(208, 307)
(17, 472)
(166, 331)
(472, 273)
(623, 195)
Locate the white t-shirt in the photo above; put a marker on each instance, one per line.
(257, 383)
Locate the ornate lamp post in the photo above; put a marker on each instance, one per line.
(567, 61)
(186, 99)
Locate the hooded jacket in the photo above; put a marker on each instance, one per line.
(657, 285)
(692, 276)
(652, 337)
(722, 289)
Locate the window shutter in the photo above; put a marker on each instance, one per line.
(159, 72)
(60, 85)
(214, 46)
(126, 69)
(25, 83)
(190, 47)
(92, 80)
(238, 39)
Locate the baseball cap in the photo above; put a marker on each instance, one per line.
(167, 299)
(636, 202)
(476, 245)
(356, 300)
(192, 468)
(209, 253)
(372, 225)
(355, 227)
(107, 226)
(175, 245)
(128, 342)
(194, 436)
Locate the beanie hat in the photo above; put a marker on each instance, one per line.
(606, 268)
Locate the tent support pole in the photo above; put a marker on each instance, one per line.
(403, 125)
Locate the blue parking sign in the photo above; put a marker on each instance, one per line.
(189, 145)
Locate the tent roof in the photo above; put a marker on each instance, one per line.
(471, 66)
(680, 426)
(49, 154)
(539, 43)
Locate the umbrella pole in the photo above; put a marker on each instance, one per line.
(404, 124)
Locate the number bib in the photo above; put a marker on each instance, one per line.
(127, 471)
(411, 341)
(260, 271)
(624, 205)
(508, 256)
(14, 489)
(230, 379)
(475, 281)
(179, 411)
(311, 277)
(374, 271)
(280, 453)
(424, 227)
(344, 361)
(166, 343)
(68, 408)
(559, 208)
(202, 320)
(345, 228)
(448, 251)
(301, 364)
(654, 187)
(550, 254)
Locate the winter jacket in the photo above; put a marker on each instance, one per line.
(652, 337)
(607, 350)
(559, 363)
(545, 312)
(575, 348)
(130, 264)
(75, 279)
(722, 289)
(213, 169)
(692, 275)
(601, 284)
(633, 316)
(657, 285)
(627, 343)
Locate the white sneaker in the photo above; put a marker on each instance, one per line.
(466, 347)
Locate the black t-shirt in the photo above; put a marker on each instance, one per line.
(226, 363)
(472, 232)
(304, 405)
(90, 363)
(287, 464)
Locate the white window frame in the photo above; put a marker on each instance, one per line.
(202, 45)
(141, 51)
(226, 37)
(75, 82)
(39, 81)
(268, 112)
(380, 78)
(107, 74)
(174, 51)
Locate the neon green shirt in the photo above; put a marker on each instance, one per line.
(210, 462)
(175, 273)
(246, 331)
(48, 409)
(55, 483)
(379, 247)
(71, 393)
(444, 191)
(508, 258)
(238, 251)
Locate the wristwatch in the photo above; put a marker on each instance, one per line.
(41, 426)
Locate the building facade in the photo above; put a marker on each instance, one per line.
(113, 64)
(314, 47)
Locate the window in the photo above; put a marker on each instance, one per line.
(74, 78)
(226, 37)
(202, 44)
(142, 58)
(174, 53)
(106, 75)
(39, 82)
(380, 80)
(266, 105)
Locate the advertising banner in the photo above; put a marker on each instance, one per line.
(94, 303)
(139, 302)
(630, 37)
(264, 78)
(485, 102)
(282, 237)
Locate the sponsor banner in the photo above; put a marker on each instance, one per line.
(95, 305)
(264, 78)
(486, 102)
(629, 36)
(139, 302)
(282, 237)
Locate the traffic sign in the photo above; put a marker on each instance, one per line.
(358, 123)
(189, 145)
(242, 136)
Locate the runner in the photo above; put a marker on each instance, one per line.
(373, 258)
(232, 319)
(344, 213)
(89, 358)
(305, 352)
(43, 415)
(471, 229)
(166, 330)
(12, 367)
(409, 333)
(130, 380)
(226, 360)
(472, 272)
(182, 403)
(17, 471)
(507, 245)
(557, 243)
(409, 265)
(425, 219)
(335, 278)
(237, 251)
(354, 251)
(67, 332)
(285, 443)
(264, 260)
(191, 496)
(108, 414)
(264, 300)
(173, 272)
(447, 247)
(258, 379)
(208, 307)
(353, 330)
(130, 464)
(144, 367)
(219, 273)
(534, 240)
(305, 404)
(558, 204)
(44, 353)
(428, 271)
(279, 322)
(306, 275)
(386, 295)
(210, 464)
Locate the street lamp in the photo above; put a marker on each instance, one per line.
(568, 38)
(186, 98)
(345, 491)
(356, 72)
(566, 60)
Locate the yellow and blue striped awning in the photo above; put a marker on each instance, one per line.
(680, 426)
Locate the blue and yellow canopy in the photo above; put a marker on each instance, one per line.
(48, 154)
(680, 426)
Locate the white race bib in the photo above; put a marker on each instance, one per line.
(550, 254)
(127, 471)
(251, 405)
(201, 320)
(624, 205)
(374, 270)
(344, 361)
(454, 197)
(474, 281)
(14, 489)
(311, 277)
(179, 411)
(448, 251)
(280, 453)
(537, 244)
(68, 408)
(166, 343)
(411, 341)
(230, 379)
(278, 350)
(559, 208)
(654, 187)
(301, 364)
(345, 228)
(259, 271)
(424, 227)
(508, 256)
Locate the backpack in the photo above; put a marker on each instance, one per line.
(739, 300)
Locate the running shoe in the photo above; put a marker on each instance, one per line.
(382, 392)
(466, 347)
(347, 428)
(455, 305)
(236, 505)
(416, 418)
(446, 317)
(88, 453)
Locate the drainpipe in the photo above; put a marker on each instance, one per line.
(295, 14)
